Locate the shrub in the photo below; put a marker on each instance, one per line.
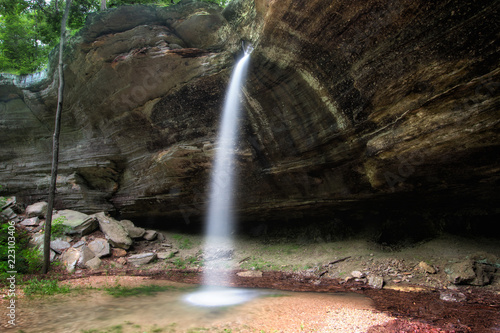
(15, 252)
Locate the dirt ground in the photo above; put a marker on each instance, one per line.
(412, 311)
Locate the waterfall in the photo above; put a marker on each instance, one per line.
(218, 247)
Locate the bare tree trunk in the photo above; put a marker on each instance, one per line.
(103, 4)
(55, 145)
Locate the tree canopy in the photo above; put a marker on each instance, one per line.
(29, 29)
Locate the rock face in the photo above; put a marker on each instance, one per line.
(389, 106)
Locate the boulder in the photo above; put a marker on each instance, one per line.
(100, 247)
(461, 273)
(70, 259)
(133, 231)
(166, 254)
(38, 209)
(37, 240)
(357, 274)
(115, 233)
(426, 267)
(31, 221)
(118, 252)
(150, 235)
(85, 255)
(78, 223)
(375, 281)
(484, 274)
(141, 258)
(471, 272)
(52, 256)
(452, 296)
(79, 243)
(8, 214)
(93, 263)
(59, 245)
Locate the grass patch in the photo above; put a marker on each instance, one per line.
(286, 248)
(259, 264)
(112, 329)
(45, 287)
(147, 290)
(183, 263)
(183, 242)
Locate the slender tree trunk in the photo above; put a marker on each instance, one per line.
(55, 145)
(103, 4)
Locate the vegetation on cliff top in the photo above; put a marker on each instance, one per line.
(29, 29)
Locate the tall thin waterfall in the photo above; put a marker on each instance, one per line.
(220, 218)
(218, 245)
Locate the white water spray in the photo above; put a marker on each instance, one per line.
(218, 245)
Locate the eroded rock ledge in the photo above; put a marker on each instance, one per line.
(366, 106)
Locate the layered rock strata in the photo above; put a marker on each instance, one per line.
(365, 105)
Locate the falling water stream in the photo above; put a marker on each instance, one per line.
(218, 245)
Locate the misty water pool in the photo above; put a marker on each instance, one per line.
(168, 311)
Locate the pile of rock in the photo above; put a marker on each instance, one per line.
(87, 238)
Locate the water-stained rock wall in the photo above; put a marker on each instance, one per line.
(373, 106)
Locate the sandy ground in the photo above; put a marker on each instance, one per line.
(291, 312)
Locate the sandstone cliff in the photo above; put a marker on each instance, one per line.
(359, 106)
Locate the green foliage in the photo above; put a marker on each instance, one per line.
(58, 229)
(180, 263)
(30, 29)
(25, 39)
(15, 250)
(116, 3)
(45, 287)
(121, 291)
